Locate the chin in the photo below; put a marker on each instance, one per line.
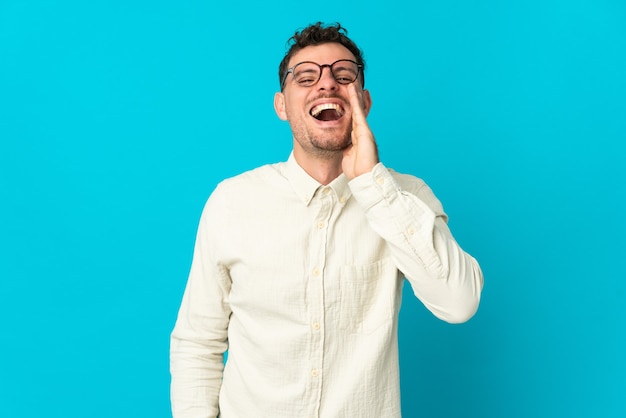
(331, 145)
(337, 137)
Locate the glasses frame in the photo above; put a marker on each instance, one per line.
(322, 66)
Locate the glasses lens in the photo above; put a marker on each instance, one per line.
(345, 71)
(306, 74)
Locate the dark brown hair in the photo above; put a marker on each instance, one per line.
(319, 34)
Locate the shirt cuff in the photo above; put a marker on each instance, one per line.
(373, 187)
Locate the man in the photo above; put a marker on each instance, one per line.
(298, 266)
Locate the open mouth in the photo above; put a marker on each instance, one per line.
(327, 111)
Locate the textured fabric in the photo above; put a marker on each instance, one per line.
(302, 283)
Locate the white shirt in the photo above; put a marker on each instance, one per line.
(302, 283)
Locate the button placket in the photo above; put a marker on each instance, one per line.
(322, 200)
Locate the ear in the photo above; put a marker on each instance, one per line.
(367, 101)
(279, 105)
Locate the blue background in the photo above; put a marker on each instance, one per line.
(117, 119)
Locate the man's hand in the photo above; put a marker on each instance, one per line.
(362, 155)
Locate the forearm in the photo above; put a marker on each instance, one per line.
(445, 278)
(200, 336)
(196, 370)
(197, 346)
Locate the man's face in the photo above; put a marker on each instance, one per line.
(320, 116)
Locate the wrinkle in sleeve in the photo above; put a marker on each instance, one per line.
(407, 215)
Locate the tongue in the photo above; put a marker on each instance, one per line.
(328, 114)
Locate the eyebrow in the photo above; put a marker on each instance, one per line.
(308, 70)
(345, 67)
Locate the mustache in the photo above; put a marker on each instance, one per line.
(327, 96)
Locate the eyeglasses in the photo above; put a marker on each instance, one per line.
(308, 73)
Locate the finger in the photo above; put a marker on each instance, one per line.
(356, 103)
(359, 124)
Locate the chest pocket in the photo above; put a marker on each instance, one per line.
(368, 296)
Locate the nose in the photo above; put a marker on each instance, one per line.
(327, 80)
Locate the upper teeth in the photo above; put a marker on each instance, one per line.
(326, 106)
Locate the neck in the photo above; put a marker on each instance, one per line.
(323, 168)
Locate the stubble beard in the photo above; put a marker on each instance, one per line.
(327, 145)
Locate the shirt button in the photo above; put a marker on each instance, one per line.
(320, 225)
(380, 180)
(342, 199)
(411, 231)
(316, 326)
(326, 190)
(316, 271)
(314, 373)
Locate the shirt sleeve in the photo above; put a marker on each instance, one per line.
(406, 214)
(200, 336)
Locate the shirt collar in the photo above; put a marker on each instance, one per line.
(306, 186)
